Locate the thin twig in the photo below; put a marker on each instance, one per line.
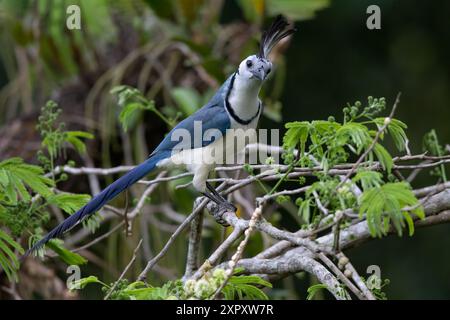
(194, 244)
(355, 276)
(133, 258)
(218, 253)
(341, 276)
(171, 240)
(98, 239)
(240, 250)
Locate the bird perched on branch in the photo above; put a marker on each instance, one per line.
(235, 105)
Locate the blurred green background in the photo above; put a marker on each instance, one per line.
(333, 59)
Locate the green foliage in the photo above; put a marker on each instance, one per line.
(396, 129)
(26, 191)
(241, 287)
(356, 111)
(330, 143)
(74, 138)
(297, 134)
(8, 259)
(391, 202)
(83, 282)
(15, 175)
(69, 202)
(304, 209)
(132, 103)
(368, 179)
(65, 255)
(312, 290)
(384, 157)
(333, 142)
(376, 285)
(139, 291)
(54, 136)
(245, 287)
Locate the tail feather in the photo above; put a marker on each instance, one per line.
(101, 199)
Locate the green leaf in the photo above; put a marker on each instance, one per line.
(67, 256)
(129, 114)
(314, 289)
(384, 157)
(73, 137)
(83, 282)
(387, 204)
(368, 179)
(4, 177)
(304, 210)
(69, 202)
(396, 129)
(250, 280)
(296, 134)
(20, 174)
(355, 134)
(8, 259)
(245, 287)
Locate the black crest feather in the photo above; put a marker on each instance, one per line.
(276, 32)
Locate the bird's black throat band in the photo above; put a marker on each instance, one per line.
(231, 110)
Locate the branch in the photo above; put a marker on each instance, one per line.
(194, 244)
(256, 215)
(294, 262)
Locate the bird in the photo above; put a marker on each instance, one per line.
(235, 105)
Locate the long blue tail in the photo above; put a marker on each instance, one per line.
(100, 199)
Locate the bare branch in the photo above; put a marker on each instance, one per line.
(133, 258)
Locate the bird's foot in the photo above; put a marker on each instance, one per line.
(218, 205)
(217, 210)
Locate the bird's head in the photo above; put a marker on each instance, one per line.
(254, 67)
(258, 66)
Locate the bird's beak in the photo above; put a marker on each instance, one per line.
(259, 74)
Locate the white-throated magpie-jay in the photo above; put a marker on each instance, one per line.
(234, 106)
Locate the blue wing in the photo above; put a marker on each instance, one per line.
(211, 116)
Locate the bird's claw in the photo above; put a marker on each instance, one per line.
(218, 210)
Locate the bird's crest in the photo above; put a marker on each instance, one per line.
(276, 32)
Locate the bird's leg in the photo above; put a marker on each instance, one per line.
(216, 208)
(212, 197)
(214, 192)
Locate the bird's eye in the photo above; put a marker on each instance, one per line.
(249, 63)
(268, 70)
